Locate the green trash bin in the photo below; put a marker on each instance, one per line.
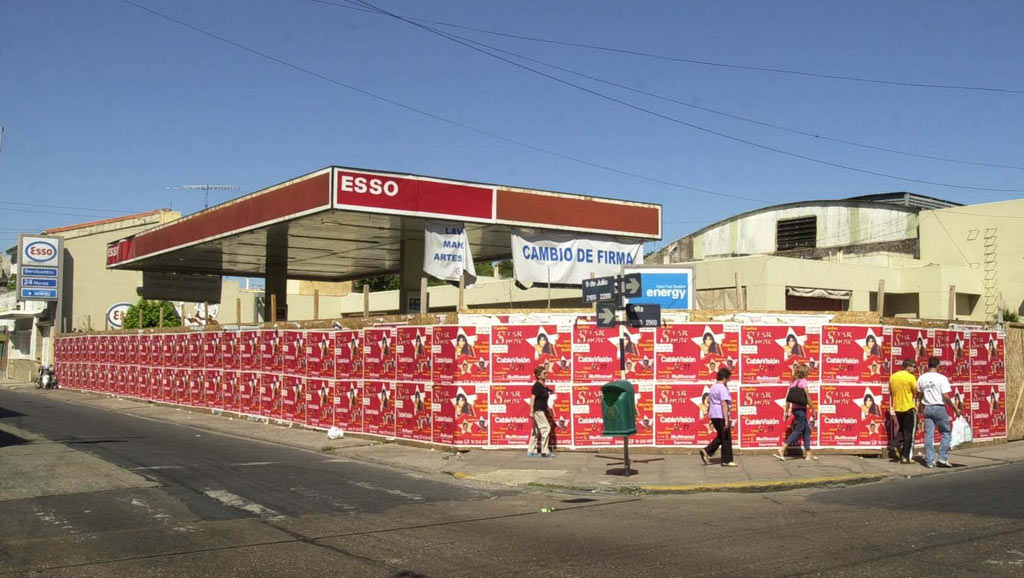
(618, 408)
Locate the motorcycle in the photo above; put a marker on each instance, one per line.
(46, 379)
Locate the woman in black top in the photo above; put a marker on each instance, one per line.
(541, 430)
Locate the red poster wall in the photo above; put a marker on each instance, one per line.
(461, 414)
(229, 387)
(595, 355)
(413, 352)
(472, 350)
(270, 395)
(638, 347)
(510, 413)
(379, 408)
(910, 343)
(249, 350)
(989, 410)
(271, 351)
(249, 393)
(517, 349)
(856, 354)
(293, 399)
(179, 345)
(211, 349)
(853, 415)
(348, 405)
(212, 392)
(194, 347)
(167, 386)
(588, 423)
(348, 354)
(413, 411)
(681, 414)
(319, 403)
(768, 353)
(951, 347)
(294, 352)
(194, 379)
(988, 357)
(379, 354)
(760, 410)
(320, 354)
(229, 350)
(132, 345)
(180, 383)
(442, 358)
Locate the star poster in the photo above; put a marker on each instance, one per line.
(516, 350)
(855, 354)
(769, 353)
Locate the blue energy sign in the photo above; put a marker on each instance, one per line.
(669, 288)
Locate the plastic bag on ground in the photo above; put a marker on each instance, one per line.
(961, 432)
(335, 433)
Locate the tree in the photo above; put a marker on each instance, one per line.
(382, 283)
(505, 269)
(12, 282)
(149, 312)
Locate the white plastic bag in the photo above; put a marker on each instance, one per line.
(961, 432)
(335, 433)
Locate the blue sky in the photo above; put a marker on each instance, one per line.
(104, 104)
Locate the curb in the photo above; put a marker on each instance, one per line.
(761, 485)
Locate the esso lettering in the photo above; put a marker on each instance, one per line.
(360, 185)
(40, 251)
(112, 251)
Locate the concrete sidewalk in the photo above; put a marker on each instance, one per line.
(593, 471)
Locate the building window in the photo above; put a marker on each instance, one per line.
(796, 233)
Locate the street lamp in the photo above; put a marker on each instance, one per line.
(206, 189)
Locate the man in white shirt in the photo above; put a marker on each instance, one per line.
(933, 391)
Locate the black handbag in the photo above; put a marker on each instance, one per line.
(797, 396)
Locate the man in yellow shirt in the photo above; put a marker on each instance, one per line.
(902, 389)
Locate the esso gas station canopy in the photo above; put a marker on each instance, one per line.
(339, 223)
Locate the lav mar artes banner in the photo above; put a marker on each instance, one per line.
(855, 354)
(413, 351)
(692, 352)
(769, 353)
(988, 357)
(516, 350)
(853, 415)
(595, 354)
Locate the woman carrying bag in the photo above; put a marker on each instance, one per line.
(797, 405)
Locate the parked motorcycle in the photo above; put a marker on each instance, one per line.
(46, 379)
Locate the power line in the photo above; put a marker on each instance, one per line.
(21, 204)
(769, 69)
(56, 213)
(438, 117)
(475, 46)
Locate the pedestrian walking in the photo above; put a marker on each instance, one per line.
(933, 391)
(719, 414)
(797, 405)
(541, 428)
(903, 389)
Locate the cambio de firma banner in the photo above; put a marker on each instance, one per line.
(446, 252)
(569, 258)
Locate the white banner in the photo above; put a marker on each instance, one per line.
(446, 252)
(569, 258)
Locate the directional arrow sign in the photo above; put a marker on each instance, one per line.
(632, 285)
(600, 289)
(606, 314)
(643, 315)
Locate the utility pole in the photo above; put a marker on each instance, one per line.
(206, 190)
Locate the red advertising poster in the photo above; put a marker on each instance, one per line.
(951, 348)
(855, 354)
(194, 381)
(595, 356)
(96, 353)
(213, 395)
(472, 347)
(910, 343)
(510, 412)
(517, 349)
(348, 354)
(146, 382)
(270, 395)
(163, 385)
(249, 350)
(693, 352)
(229, 388)
(154, 350)
(379, 354)
(588, 422)
(133, 349)
(211, 349)
(962, 396)
(194, 346)
(229, 350)
(413, 410)
(293, 398)
(319, 402)
(120, 349)
(271, 351)
(379, 407)
(853, 415)
(768, 353)
(348, 405)
(989, 411)
(681, 415)
(180, 385)
(320, 355)
(760, 408)
(988, 357)
(638, 347)
(469, 412)
(442, 361)
(413, 352)
(179, 344)
(294, 352)
(249, 393)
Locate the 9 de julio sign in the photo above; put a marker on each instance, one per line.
(39, 266)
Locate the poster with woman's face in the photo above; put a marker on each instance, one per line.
(761, 423)
(951, 348)
(271, 351)
(414, 411)
(270, 395)
(413, 350)
(988, 357)
(294, 352)
(348, 354)
(769, 353)
(516, 350)
(319, 402)
(856, 354)
(229, 391)
(348, 406)
(588, 422)
(179, 381)
(912, 343)
(319, 354)
(638, 348)
(249, 350)
(988, 405)
(211, 349)
(681, 415)
(379, 408)
(131, 347)
(379, 357)
(595, 354)
(511, 413)
(694, 352)
(194, 381)
(293, 399)
(461, 414)
(249, 393)
(853, 416)
(168, 380)
(229, 350)
(211, 388)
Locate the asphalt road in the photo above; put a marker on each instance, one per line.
(229, 507)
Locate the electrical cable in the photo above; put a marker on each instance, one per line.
(472, 45)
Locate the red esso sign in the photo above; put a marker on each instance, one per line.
(367, 185)
(40, 251)
(112, 252)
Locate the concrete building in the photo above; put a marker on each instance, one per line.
(837, 255)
